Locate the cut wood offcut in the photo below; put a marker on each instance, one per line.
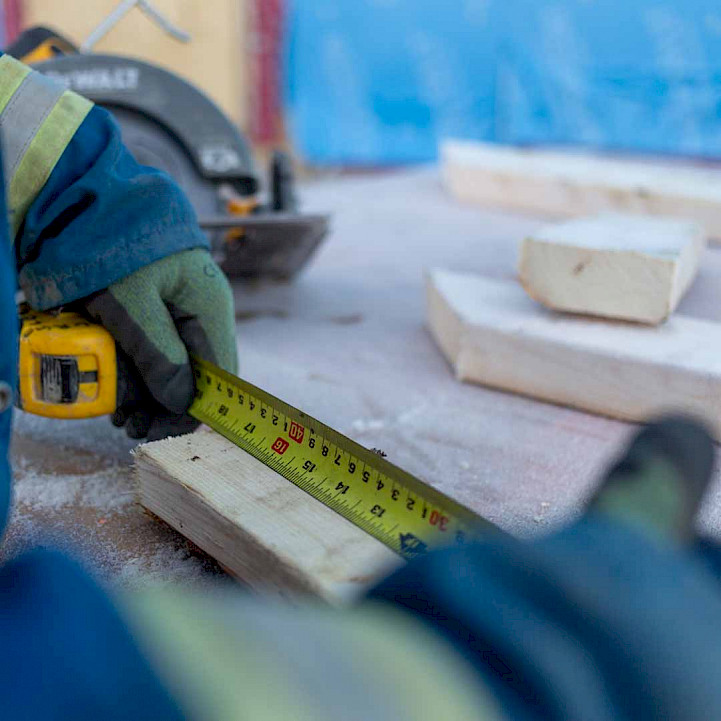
(631, 267)
(574, 184)
(269, 533)
(494, 334)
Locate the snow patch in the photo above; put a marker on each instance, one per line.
(109, 490)
(166, 566)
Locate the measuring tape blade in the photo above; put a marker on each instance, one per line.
(401, 511)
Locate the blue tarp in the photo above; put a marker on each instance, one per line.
(381, 81)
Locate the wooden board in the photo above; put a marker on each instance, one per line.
(494, 334)
(261, 527)
(631, 267)
(572, 184)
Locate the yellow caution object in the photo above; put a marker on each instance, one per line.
(67, 366)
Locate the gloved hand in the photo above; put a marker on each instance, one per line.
(659, 482)
(178, 305)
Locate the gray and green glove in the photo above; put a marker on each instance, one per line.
(176, 306)
(659, 483)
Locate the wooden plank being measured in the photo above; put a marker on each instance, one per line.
(262, 528)
(566, 184)
(492, 333)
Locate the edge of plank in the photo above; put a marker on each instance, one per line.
(444, 324)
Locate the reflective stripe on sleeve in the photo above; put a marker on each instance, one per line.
(43, 154)
(251, 658)
(24, 115)
(12, 73)
(38, 119)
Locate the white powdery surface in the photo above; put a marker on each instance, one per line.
(108, 490)
(73, 491)
(95, 435)
(165, 558)
(165, 565)
(347, 343)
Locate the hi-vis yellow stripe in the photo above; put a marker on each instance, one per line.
(12, 73)
(43, 154)
(51, 139)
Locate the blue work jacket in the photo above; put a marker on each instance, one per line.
(99, 217)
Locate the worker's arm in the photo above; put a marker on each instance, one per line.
(90, 224)
(615, 616)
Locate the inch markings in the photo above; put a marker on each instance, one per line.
(393, 506)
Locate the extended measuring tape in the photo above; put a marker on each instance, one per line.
(391, 505)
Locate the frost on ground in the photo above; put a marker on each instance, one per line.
(346, 342)
(73, 491)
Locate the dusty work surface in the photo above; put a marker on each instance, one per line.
(347, 343)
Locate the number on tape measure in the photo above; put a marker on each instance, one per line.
(398, 509)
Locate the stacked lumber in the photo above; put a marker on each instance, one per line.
(622, 264)
(492, 333)
(635, 268)
(568, 184)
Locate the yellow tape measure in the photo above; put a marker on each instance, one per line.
(391, 505)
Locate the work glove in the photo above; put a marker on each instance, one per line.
(176, 306)
(659, 482)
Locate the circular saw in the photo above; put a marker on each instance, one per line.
(170, 124)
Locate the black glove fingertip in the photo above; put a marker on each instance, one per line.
(138, 425)
(167, 426)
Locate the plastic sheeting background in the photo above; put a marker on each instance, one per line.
(381, 81)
